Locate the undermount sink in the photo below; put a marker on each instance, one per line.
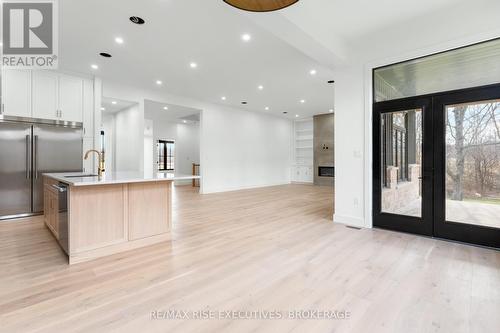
(80, 176)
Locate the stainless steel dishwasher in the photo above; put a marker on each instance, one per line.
(62, 190)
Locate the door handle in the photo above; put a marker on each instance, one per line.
(28, 154)
(35, 157)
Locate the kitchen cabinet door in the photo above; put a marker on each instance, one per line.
(16, 93)
(45, 89)
(71, 98)
(51, 210)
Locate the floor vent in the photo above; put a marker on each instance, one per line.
(351, 227)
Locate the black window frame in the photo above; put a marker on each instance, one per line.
(168, 155)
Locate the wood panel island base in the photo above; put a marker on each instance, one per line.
(117, 213)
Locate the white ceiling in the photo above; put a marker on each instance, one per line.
(179, 32)
(363, 31)
(173, 113)
(285, 45)
(351, 19)
(113, 105)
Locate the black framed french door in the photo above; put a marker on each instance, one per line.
(467, 166)
(436, 165)
(402, 165)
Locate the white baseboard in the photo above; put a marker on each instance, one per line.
(302, 183)
(349, 220)
(239, 188)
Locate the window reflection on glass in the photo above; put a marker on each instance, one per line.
(166, 155)
(473, 163)
(401, 134)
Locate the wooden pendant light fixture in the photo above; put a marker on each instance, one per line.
(260, 5)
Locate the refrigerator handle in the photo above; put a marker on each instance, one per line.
(35, 157)
(28, 154)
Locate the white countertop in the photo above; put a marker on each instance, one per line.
(115, 178)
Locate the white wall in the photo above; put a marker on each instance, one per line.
(129, 140)
(187, 147)
(148, 147)
(238, 148)
(108, 125)
(349, 146)
(244, 149)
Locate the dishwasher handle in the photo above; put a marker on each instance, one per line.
(60, 188)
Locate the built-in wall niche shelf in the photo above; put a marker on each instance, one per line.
(302, 169)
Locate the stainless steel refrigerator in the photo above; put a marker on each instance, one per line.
(27, 150)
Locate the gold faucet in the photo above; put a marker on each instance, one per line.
(100, 169)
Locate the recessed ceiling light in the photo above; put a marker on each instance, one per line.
(246, 37)
(313, 72)
(136, 20)
(184, 121)
(331, 110)
(193, 65)
(103, 108)
(267, 108)
(296, 116)
(302, 101)
(261, 87)
(165, 108)
(114, 102)
(105, 55)
(1, 44)
(119, 40)
(94, 66)
(223, 98)
(159, 82)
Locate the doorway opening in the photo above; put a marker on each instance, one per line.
(172, 141)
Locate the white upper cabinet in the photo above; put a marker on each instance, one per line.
(16, 93)
(45, 91)
(70, 98)
(57, 96)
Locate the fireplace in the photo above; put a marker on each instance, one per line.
(324, 150)
(326, 171)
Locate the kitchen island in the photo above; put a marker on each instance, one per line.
(92, 216)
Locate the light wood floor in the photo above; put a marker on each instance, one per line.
(264, 249)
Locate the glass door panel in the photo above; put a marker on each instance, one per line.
(401, 167)
(473, 163)
(467, 166)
